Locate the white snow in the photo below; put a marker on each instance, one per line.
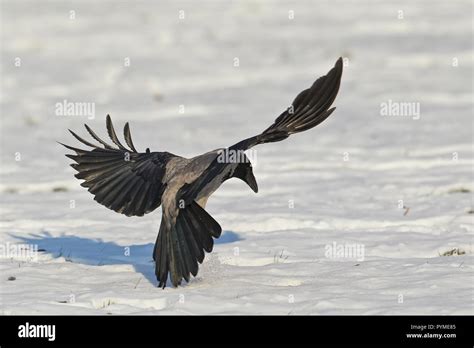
(344, 179)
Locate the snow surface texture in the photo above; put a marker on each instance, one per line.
(397, 188)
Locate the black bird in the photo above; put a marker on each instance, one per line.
(135, 183)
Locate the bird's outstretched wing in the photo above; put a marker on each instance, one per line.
(121, 179)
(310, 107)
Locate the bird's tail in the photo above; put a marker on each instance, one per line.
(311, 107)
(180, 246)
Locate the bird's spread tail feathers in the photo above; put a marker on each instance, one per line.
(180, 246)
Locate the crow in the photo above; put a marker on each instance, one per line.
(135, 183)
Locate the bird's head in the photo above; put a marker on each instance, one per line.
(244, 172)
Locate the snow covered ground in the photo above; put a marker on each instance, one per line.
(396, 188)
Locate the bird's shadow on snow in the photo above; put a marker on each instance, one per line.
(227, 237)
(97, 252)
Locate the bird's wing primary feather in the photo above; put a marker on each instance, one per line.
(123, 180)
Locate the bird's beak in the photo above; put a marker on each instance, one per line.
(250, 180)
(245, 173)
